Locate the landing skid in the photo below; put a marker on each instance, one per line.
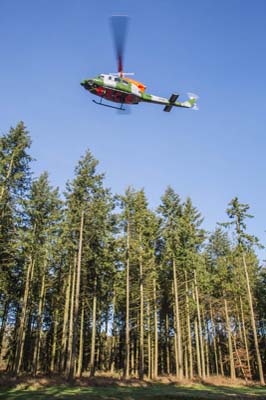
(100, 103)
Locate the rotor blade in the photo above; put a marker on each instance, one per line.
(119, 25)
(124, 73)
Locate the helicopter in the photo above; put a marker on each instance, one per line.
(119, 88)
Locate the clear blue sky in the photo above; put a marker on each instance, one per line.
(216, 49)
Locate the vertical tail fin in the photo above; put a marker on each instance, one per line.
(193, 101)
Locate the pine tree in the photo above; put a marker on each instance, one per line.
(14, 164)
(42, 214)
(88, 226)
(139, 229)
(218, 252)
(171, 211)
(14, 183)
(238, 213)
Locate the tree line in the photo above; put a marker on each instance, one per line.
(91, 281)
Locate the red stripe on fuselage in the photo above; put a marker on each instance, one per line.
(116, 96)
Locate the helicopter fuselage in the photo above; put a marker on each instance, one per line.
(113, 88)
(122, 90)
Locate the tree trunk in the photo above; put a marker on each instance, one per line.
(162, 347)
(230, 347)
(179, 359)
(176, 353)
(189, 342)
(185, 360)
(39, 325)
(133, 365)
(253, 323)
(196, 332)
(23, 318)
(137, 355)
(245, 337)
(127, 358)
(168, 369)
(149, 341)
(239, 326)
(200, 328)
(207, 349)
(80, 359)
(3, 325)
(63, 357)
(213, 332)
(71, 318)
(54, 345)
(93, 334)
(220, 355)
(239, 360)
(76, 308)
(155, 364)
(113, 341)
(141, 322)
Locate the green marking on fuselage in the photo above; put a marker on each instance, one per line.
(123, 87)
(99, 81)
(146, 97)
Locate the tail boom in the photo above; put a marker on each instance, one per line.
(171, 102)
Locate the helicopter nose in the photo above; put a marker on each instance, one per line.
(87, 84)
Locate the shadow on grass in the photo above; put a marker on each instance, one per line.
(153, 392)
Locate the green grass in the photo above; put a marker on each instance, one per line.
(154, 392)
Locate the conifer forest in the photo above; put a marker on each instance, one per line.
(92, 281)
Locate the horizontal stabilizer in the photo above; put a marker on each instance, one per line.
(172, 100)
(168, 108)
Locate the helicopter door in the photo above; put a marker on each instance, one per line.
(109, 81)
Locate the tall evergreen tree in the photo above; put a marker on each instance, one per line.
(42, 212)
(171, 211)
(88, 224)
(238, 213)
(191, 237)
(14, 183)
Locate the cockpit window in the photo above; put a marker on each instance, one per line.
(117, 79)
(125, 82)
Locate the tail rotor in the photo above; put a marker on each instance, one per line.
(193, 100)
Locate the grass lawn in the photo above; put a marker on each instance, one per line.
(153, 392)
